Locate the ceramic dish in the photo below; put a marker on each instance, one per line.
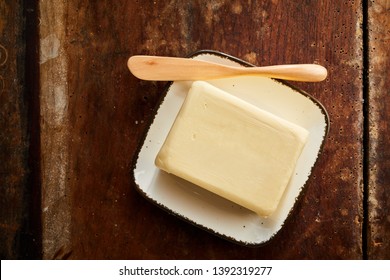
(203, 208)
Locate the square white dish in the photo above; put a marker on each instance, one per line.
(205, 209)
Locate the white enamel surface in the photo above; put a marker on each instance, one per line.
(204, 208)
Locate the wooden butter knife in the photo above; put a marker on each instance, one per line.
(160, 68)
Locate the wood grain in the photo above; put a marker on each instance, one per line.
(13, 142)
(378, 231)
(19, 226)
(54, 135)
(92, 114)
(108, 110)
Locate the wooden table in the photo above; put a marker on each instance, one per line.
(72, 116)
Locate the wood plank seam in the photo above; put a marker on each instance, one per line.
(365, 85)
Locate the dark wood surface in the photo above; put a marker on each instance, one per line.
(13, 129)
(378, 86)
(19, 131)
(93, 113)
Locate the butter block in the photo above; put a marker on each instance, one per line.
(232, 148)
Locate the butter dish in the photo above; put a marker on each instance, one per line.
(204, 208)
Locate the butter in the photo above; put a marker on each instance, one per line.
(232, 148)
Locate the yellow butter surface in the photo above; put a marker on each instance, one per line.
(232, 148)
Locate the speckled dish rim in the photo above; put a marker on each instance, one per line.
(187, 219)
